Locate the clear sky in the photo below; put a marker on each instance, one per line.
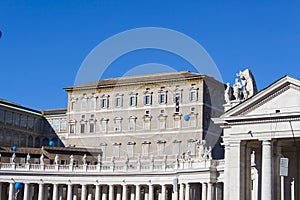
(44, 42)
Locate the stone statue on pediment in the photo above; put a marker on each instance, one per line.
(28, 158)
(13, 158)
(84, 159)
(248, 83)
(227, 94)
(71, 159)
(56, 159)
(237, 90)
(42, 159)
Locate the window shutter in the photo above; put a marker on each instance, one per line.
(107, 103)
(159, 98)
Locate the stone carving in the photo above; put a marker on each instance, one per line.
(208, 153)
(227, 94)
(28, 159)
(237, 90)
(13, 158)
(56, 159)
(42, 159)
(84, 159)
(99, 159)
(71, 160)
(248, 83)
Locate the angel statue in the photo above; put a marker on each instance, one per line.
(248, 83)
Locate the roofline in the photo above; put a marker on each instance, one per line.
(18, 107)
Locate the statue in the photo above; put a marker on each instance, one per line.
(201, 148)
(237, 90)
(56, 159)
(253, 159)
(227, 94)
(42, 159)
(13, 158)
(71, 159)
(99, 158)
(208, 152)
(84, 159)
(248, 83)
(28, 158)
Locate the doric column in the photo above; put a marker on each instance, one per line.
(11, 191)
(111, 192)
(55, 192)
(181, 191)
(124, 192)
(104, 193)
(137, 192)
(97, 192)
(70, 192)
(151, 192)
(204, 191)
(266, 175)
(163, 192)
(83, 192)
(41, 191)
(26, 191)
(187, 191)
(209, 191)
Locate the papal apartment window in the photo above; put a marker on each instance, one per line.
(176, 147)
(118, 124)
(73, 103)
(177, 121)
(147, 97)
(103, 125)
(119, 101)
(104, 103)
(84, 102)
(63, 124)
(130, 149)
(145, 148)
(162, 121)
(161, 144)
(193, 120)
(82, 128)
(72, 128)
(133, 100)
(116, 149)
(93, 101)
(147, 122)
(162, 96)
(177, 95)
(193, 93)
(92, 127)
(132, 123)
(192, 147)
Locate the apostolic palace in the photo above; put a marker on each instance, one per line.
(170, 136)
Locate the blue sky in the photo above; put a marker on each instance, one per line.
(44, 42)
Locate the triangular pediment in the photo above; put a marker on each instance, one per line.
(282, 96)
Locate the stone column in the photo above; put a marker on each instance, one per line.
(210, 191)
(235, 171)
(70, 192)
(266, 175)
(187, 191)
(151, 192)
(11, 191)
(83, 192)
(111, 192)
(204, 191)
(55, 192)
(163, 192)
(124, 192)
(146, 195)
(41, 191)
(97, 192)
(118, 197)
(227, 172)
(137, 192)
(26, 191)
(104, 193)
(181, 191)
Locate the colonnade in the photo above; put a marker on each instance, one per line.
(72, 191)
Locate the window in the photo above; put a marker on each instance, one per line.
(162, 121)
(63, 124)
(104, 103)
(193, 93)
(30, 123)
(145, 148)
(192, 147)
(177, 95)
(162, 96)
(133, 100)
(147, 123)
(23, 121)
(147, 97)
(8, 117)
(193, 120)
(130, 149)
(16, 119)
(103, 125)
(132, 123)
(176, 147)
(84, 102)
(82, 128)
(177, 121)
(73, 103)
(119, 101)
(92, 127)
(161, 147)
(118, 124)
(116, 149)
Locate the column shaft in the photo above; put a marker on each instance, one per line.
(111, 192)
(187, 191)
(11, 191)
(181, 192)
(124, 192)
(104, 193)
(118, 197)
(204, 191)
(209, 191)
(163, 192)
(137, 192)
(97, 192)
(41, 191)
(83, 192)
(26, 191)
(55, 192)
(151, 192)
(266, 175)
(70, 192)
